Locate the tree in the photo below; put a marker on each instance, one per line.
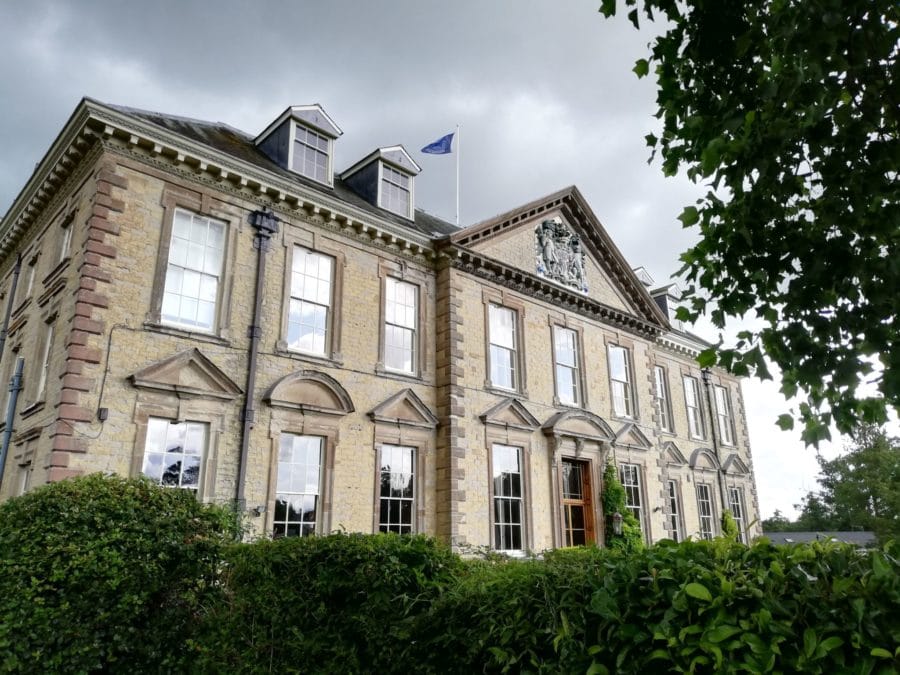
(860, 490)
(788, 111)
(777, 523)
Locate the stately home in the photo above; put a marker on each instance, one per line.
(228, 314)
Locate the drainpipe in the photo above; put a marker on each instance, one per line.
(15, 386)
(707, 384)
(266, 224)
(9, 305)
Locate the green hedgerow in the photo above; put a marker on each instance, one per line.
(105, 573)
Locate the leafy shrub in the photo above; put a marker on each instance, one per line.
(697, 606)
(102, 573)
(729, 526)
(342, 603)
(631, 539)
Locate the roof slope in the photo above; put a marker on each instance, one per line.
(241, 145)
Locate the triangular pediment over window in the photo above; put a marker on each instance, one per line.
(578, 424)
(559, 240)
(310, 391)
(703, 458)
(187, 374)
(404, 408)
(630, 436)
(735, 465)
(510, 413)
(672, 454)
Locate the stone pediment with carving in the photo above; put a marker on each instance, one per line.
(735, 465)
(404, 408)
(187, 374)
(673, 455)
(510, 413)
(630, 436)
(703, 458)
(310, 391)
(558, 242)
(578, 424)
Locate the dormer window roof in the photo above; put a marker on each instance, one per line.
(385, 178)
(301, 140)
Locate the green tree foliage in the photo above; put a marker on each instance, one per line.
(777, 523)
(613, 496)
(788, 111)
(860, 490)
(105, 574)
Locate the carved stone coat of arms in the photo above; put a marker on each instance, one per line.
(559, 254)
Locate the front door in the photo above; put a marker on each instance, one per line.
(578, 510)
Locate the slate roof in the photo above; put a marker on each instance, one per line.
(855, 537)
(240, 145)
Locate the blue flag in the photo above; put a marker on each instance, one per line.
(441, 146)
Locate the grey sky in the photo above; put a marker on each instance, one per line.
(542, 89)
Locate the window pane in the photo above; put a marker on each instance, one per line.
(173, 452)
(507, 479)
(196, 252)
(297, 491)
(397, 483)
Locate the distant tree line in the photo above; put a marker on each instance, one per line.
(860, 490)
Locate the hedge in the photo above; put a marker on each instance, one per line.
(104, 574)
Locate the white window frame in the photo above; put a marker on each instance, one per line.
(694, 408)
(724, 415)
(632, 480)
(188, 427)
(626, 397)
(737, 505)
(397, 320)
(406, 522)
(40, 388)
(673, 495)
(296, 127)
(504, 524)
(662, 396)
(208, 277)
(495, 348)
(65, 244)
(305, 290)
(281, 527)
(573, 369)
(706, 516)
(391, 190)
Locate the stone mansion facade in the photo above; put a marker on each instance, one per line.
(227, 314)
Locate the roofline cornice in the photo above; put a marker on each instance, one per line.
(92, 120)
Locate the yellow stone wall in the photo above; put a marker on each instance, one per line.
(106, 332)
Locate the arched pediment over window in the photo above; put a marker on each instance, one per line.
(735, 465)
(310, 391)
(703, 458)
(579, 424)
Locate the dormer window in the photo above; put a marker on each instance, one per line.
(395, 189)
(311, 154)
(385, 179)
(302, 140)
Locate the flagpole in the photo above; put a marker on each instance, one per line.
(457, 174)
